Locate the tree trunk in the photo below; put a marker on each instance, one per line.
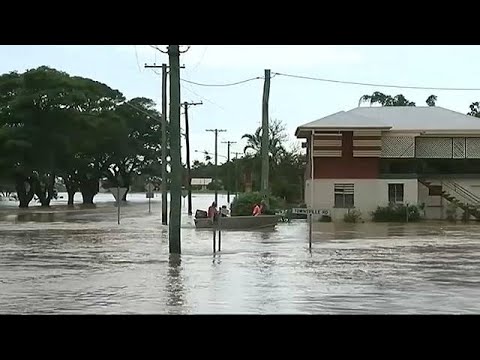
(72, 188)
(71, 195)
(44, 190)
(25, 191)
(89, 188)
(88, 196)
(124, 198)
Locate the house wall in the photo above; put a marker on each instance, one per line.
(368, 194)
(347, 166)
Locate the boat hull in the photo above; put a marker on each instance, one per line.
(238, 222)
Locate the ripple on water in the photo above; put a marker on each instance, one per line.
(84, 262)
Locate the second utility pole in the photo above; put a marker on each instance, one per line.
(216, 131)
(187, 141)
(265, 135)
(164, 141)
(228, 161)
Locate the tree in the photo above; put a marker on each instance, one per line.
(277, 136)
(51, 123)
(431, 100)
(136, 144)
(386, 100)
(474, 109)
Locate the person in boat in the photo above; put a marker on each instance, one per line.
(212, 211)
(224, 211)
(259, 209)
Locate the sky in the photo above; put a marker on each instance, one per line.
(238, 109)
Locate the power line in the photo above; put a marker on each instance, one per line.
(158, 49)
(142, 111)
(378, 85)
(136, 56)
(202, 97)
(229, 84)
(201, 58)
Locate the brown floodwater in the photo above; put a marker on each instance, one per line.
(83, 262)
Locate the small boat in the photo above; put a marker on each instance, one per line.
(238, 222)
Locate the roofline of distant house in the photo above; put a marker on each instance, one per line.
(336, 128)
(418, 132)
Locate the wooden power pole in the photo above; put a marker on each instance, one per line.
(216, 131)
(174, 234)
(228, 161)
(187, 142)
(265, 135)
(236, 171)
(164, 141)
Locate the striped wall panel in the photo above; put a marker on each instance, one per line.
(327, 145)
(367, 143)
(327, 153)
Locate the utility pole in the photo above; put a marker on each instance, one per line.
(265, 135)
(164, 141)
(216, 131)
(187, 142)
(228, 161)
(236, 172)
(174, 240)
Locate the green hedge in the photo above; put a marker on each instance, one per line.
(243, 204)
(396, 213)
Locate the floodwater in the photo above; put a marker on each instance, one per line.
(83, 262)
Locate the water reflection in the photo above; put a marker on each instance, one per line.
(87, 263)
(175, 288)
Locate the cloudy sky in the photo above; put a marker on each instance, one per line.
(294, 101)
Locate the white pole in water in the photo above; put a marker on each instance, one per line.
(220, 233)
(118, 205)
(310, 220)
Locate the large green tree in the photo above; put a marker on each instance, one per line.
(397, 100)
(135, 146)
(56, 125)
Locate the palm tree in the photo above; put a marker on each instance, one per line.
(276, 138)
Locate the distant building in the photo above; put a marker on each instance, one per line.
(200, 183)
(373, 156)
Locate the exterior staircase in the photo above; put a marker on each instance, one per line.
(457, 194)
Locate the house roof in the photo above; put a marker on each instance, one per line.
(396, 118)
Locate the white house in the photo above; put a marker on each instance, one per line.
(371, 156)
(201, 182)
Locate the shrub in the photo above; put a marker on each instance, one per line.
(243, 204)
(352, 216)
(396, 213)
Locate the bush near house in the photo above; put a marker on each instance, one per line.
(396, 213)
(352, 216)
(243, 204)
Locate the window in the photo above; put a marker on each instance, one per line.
(344, 196)
(395, 193)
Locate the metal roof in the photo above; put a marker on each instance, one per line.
(393, 118)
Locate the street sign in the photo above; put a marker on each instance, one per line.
(311, 211)
(150, 195)
(118, 192)
(150, 188)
